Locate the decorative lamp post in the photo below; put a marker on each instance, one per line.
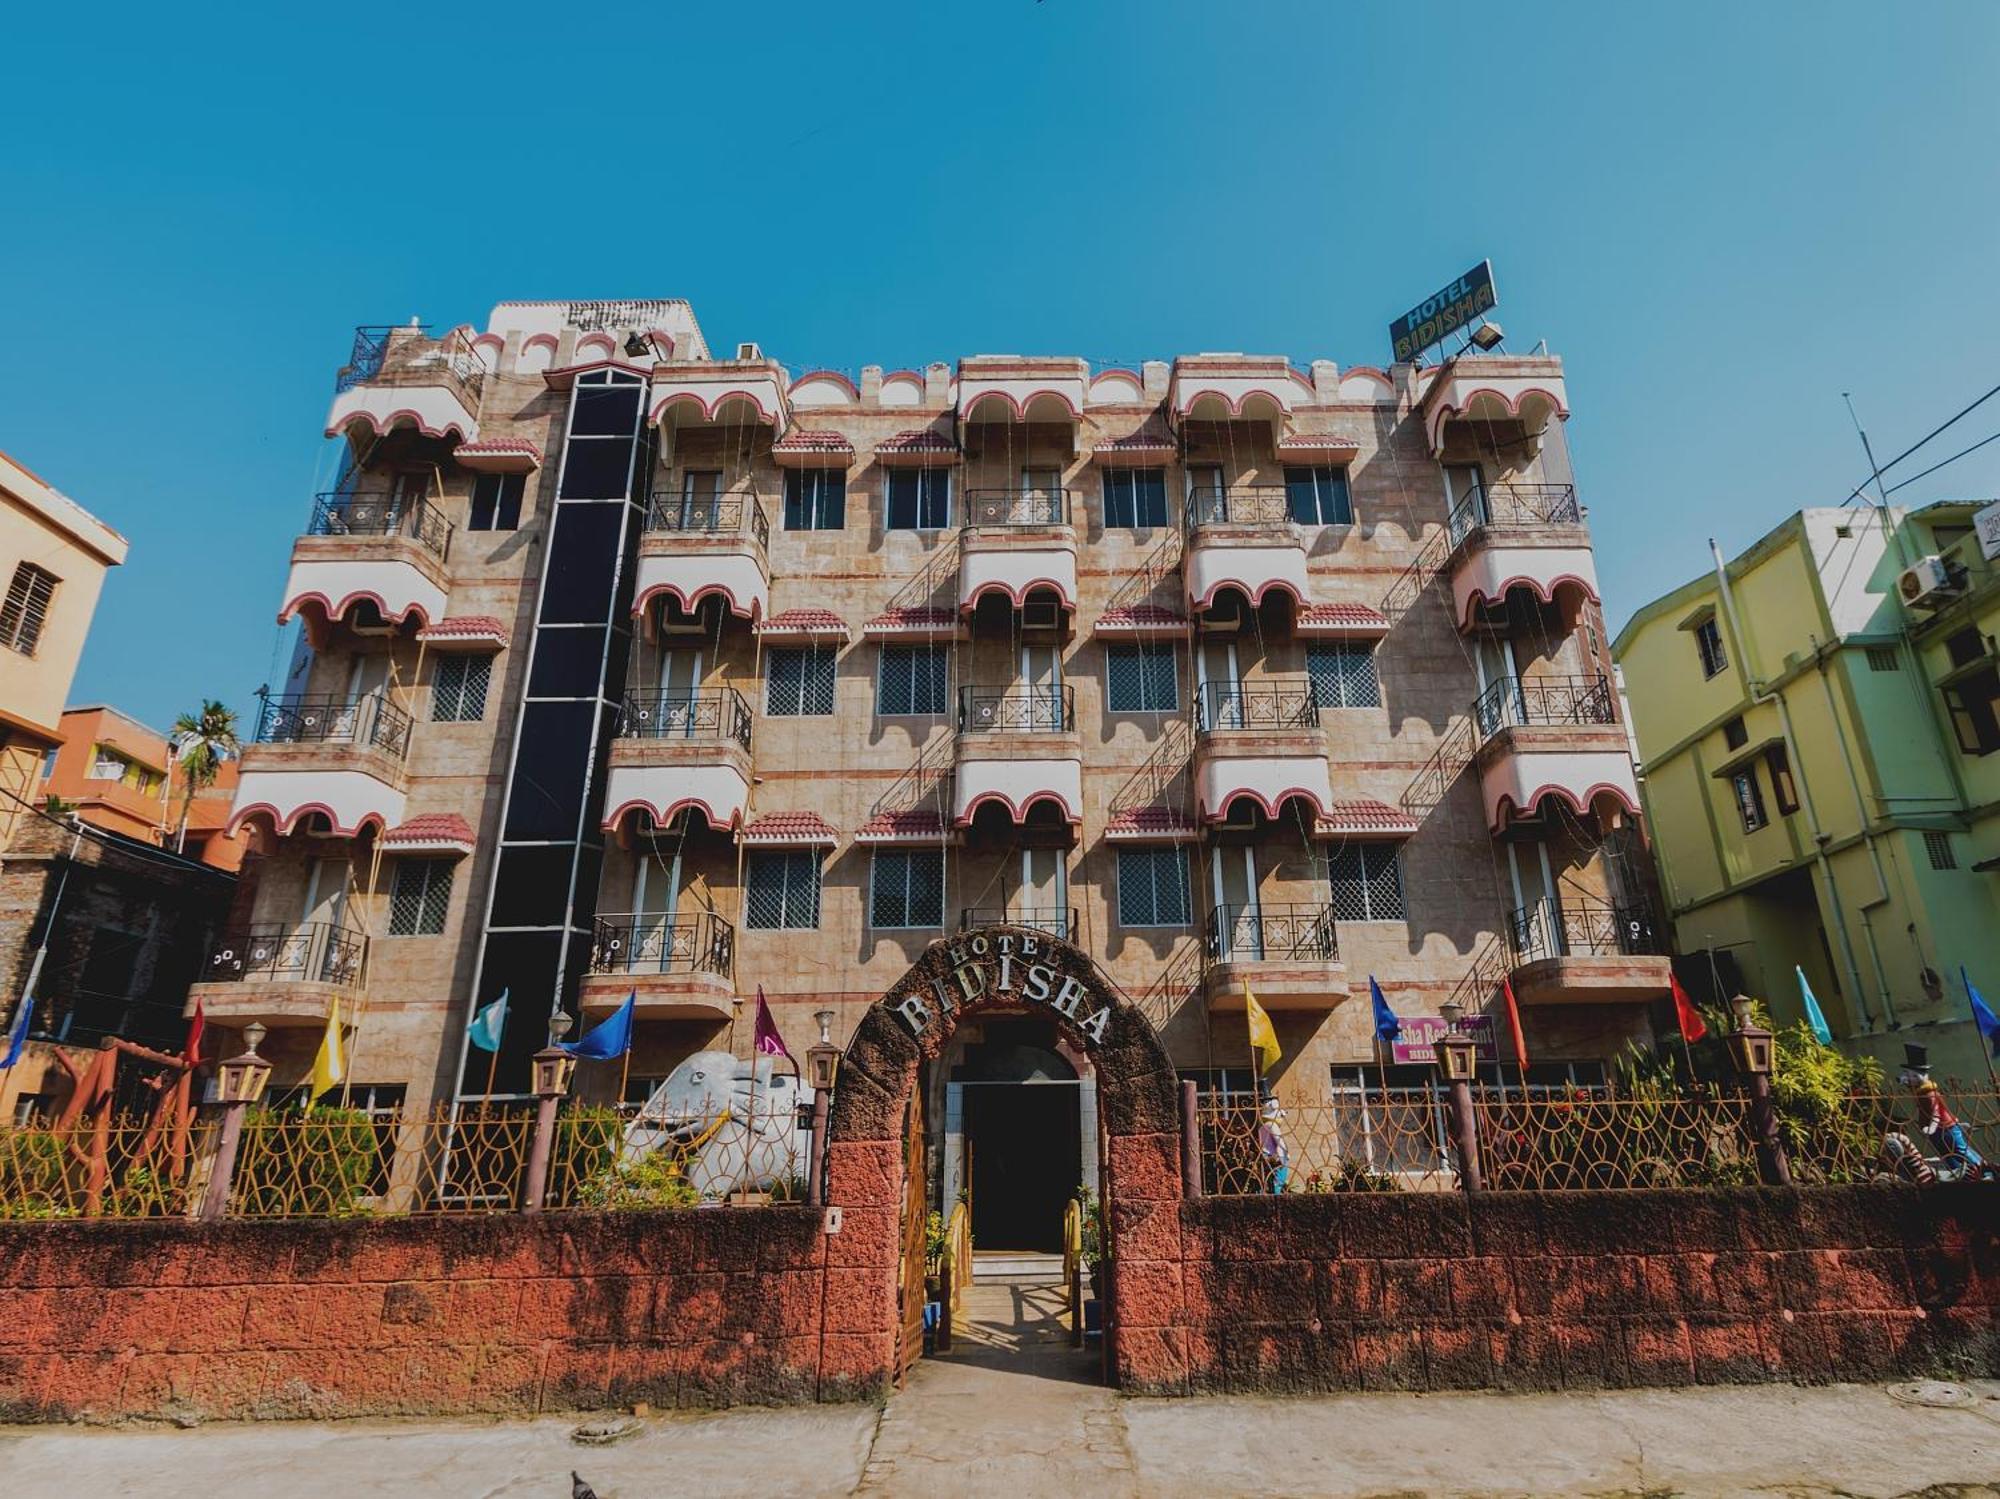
(239, 1082)
(1751, 1048)
(1457, 1059)
(822, 1067)
(553, 1070)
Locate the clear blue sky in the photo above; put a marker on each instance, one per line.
(1721, 215)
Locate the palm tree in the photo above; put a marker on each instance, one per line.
(201, 742)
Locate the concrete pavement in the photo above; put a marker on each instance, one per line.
(1015, 1412)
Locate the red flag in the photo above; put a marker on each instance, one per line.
(768, 1041)
(1693, 1027)
(192, 1050)
(1514, 1025)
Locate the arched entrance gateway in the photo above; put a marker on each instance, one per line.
(1078, 1087)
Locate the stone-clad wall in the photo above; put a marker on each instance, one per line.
(1569, 1290)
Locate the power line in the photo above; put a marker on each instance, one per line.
(1856, 493)
(1952, 459)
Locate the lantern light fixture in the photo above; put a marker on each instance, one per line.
(241, 1078)
(1750, 1044)
(823, 1056)
(1457, 1053)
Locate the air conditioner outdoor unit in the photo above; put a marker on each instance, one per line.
(749, 351)
(1928, 582)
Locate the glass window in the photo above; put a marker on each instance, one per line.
(1973, 719)
(1318, 496)
(1343, 676)
(919, 499)
(1153, 887)
(458, 688)
(107, 767)
(417, 903)
(1734, 734)
(911, 680)
(907, 889)
(27, 607)
(1135, 497)
(799, 682)
(1708, 642)
(496, 502)
(1779, 764)
(815, 499)
(1749, 799)
(1142, 679)
(1367, 882)
(781, 890)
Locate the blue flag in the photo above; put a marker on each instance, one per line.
(17, 1033)
(1982, 1014)
(1813, 1017)
(489, 1024)
(611, 1039)
(1387, 1026)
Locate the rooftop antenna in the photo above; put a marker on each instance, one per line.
(1874, 469)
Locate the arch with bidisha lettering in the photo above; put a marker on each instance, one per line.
(877, 1172)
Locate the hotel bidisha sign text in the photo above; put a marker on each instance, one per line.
(1002, 966)
(1442, 312)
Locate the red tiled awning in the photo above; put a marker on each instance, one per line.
(1365, 818)
(803, 449)
(499, 455)
(1342, 622)
(913, 624)
(430, 833)
(1142, 621)
(1318, 447)
(805, 624)
(1134, 450)
(924, 447)
(1150, 825)
(466, 632)
(792, 829)
(915, 825)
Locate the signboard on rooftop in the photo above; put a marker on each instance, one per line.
(1442, 312)
(1986, 521)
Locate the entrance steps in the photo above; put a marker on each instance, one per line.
(1017, 1267)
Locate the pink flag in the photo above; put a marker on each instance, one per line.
(769, 1042)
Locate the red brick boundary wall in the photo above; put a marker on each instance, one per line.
(1569, 1290)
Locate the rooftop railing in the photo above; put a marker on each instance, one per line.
(709, 515)
(370, 722)
(405, 355)
(381, 515)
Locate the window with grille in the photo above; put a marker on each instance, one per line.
(418, 900)
(1367, 882)
(1883, 658)
(1153, 887)
(907, 889)
(458, 688)
(1343, 676)
(1141, 679)
(27, 607)
(781, 890)
(919, 499)
(815, 499)
(1317, 496)
(911, 680)
(1135, 498)
(799, 682)
(1938, 846)
(1708, 645)
(496, 502)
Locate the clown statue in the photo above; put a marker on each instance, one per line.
(1271, 1143)
(1938, 1124)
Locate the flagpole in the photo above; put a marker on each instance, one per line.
(492, 1064)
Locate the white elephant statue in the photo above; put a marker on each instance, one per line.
(740, 1118)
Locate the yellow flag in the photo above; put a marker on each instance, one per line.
(1263, 1035)
(330, 1065)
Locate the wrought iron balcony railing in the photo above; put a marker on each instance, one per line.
(1512, 702)
(1239, 505)
(1017, 507)
(1016, 710)
(317, 952)
(1253, 934)
(1282, 703)
(1058, 921)
(709, 515)
(381, 515)
(713, 713)
(402, 355)
(635, 942)
(1517, 505)
(371, 722)
(1580, 927)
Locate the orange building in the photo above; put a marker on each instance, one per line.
(115, 772)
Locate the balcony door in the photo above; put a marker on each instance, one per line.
(1215, 684)
(325, 899)
(701, 490)
(1043, 899)
(1538, 927)
(367, 684)
(656, 885)
(1042, 684)
(1041, 495)
(1208, 495)
(1465, 488)
(680, 680)
(1493, 659)
(1239, 928)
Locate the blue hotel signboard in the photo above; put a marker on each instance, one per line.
(1443, 312)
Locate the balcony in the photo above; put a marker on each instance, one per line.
(1507, 536)
(1552, 737)
(680, 751)
(1016, 542)
(1288, 955)
(402, 377)
(1017, 748)
(383, 550)
(1510, 398)
(714, 393)
(697, 546)
(1243, 537)
(329, 762)
(1584, 951)
(277, 975)
(1058, 922)
(1006, 390)
(680, 968)
(1261, 741)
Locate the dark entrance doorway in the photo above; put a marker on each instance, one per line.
(1023, 1135)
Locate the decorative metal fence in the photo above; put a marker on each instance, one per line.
(1581, 1140)
(1372, 1141)
(1017, 507)
(1284, 703)
(1033, 710)
(111, 1166)
(341, 514)
(316, 952)
(635, 942)
(1515, 505)
(370, 721)
(1513, 702)
(709, 515)
(717, 713)
(1239, 505)
(1238, 933)
(1580, 927)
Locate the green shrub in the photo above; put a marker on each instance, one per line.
(656, 1181)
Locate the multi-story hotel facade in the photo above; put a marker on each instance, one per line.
(636, 670)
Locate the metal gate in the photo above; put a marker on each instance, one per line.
(910, 1294)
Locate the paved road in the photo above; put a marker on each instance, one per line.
(1014, 1412)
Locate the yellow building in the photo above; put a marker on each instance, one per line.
(53, 557)
(1817, 730)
